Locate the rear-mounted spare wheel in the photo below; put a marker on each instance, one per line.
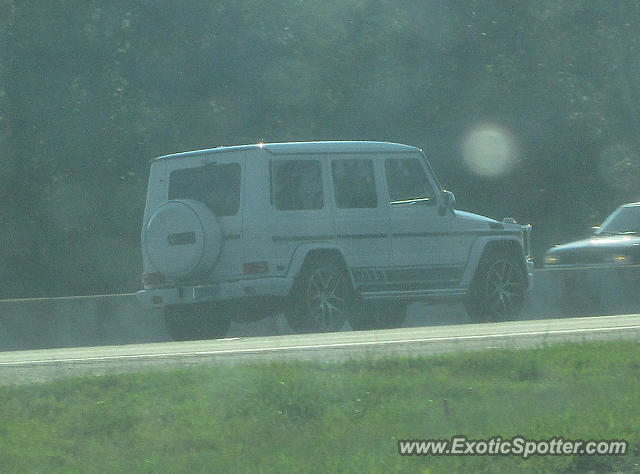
(182, 239)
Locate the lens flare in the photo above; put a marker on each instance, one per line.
(489, 150)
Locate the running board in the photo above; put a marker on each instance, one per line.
(415, 295)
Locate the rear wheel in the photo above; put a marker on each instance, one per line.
(196, 321)
(321, 299)
(498, 289)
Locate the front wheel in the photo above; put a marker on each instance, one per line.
(498, 289)
(321, 299)
(196, 321)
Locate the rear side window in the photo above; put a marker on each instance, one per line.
(354, 184)
(296, 185)
(217, 186)
(408, 181)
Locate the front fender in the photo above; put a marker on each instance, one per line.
(477, 250)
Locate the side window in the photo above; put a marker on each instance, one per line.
(408, 181)
(296, 185)
(217, 186)
(354, 184)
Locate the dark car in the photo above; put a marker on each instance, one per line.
(616, 242)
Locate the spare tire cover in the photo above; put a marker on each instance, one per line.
(182, 238)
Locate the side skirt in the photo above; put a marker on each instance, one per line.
(416, 295)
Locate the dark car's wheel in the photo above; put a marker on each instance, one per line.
(196, 321)
(321, 299)
(378, 316)
(498, 289)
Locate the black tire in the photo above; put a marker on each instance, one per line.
(378, 316)
(321, 300)
(196, 321)
(498, 289)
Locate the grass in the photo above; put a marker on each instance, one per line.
(329, 417)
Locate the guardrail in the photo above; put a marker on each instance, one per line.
(118, 319)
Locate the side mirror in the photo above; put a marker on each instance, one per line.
(447, 200)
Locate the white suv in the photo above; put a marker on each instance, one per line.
(323, 231)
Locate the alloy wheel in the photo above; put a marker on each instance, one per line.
(504, 290)
(327, 299)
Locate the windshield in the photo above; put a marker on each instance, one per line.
(624, 220)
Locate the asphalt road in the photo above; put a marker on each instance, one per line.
(40, 365)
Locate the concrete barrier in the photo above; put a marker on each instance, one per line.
(584, 292)
(118, 319)
(74, 321)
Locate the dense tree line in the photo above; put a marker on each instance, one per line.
(91, 90)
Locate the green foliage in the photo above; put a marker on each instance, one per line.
(90, 91)
(328, 417)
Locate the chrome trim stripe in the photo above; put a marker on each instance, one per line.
(301, 238)
(453, 234)
(363, 236)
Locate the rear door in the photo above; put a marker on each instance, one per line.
(298, 211)
(361, 218)
(214, 180)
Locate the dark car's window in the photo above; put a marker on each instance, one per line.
(354, 184)
(623, 220)
(407, 180)
(296, 185)
(217, 186)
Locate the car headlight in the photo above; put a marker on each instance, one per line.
(620, 259)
